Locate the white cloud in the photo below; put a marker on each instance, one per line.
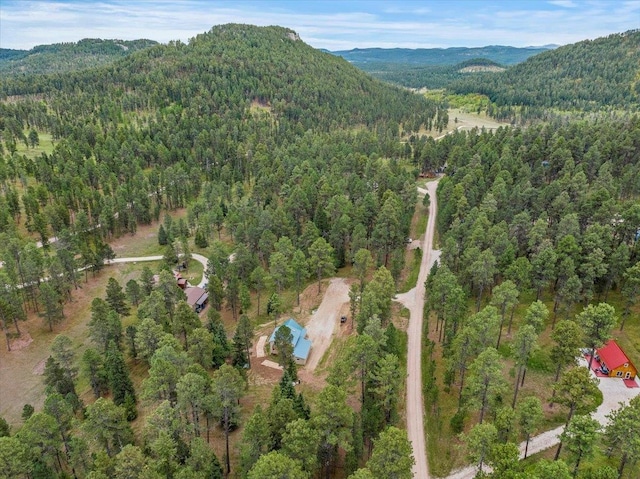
(563, 3)
(24, 24)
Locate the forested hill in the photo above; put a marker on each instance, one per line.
(431, 77)
(366, 58)
(70, 56)
(231, 67)
(586, 75)
(237, 105)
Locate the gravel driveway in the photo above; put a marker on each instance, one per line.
(325, 321)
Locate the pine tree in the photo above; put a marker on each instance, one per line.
(118, 375)
(200, 239)
(116, 297)
(146, 281)
(162, 236)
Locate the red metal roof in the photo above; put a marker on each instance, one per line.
(612, 355)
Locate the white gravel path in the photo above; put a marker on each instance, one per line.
(262, 340)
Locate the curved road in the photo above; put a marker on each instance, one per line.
(413, 300)
(198, 257)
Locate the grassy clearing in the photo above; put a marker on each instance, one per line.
(414, 259)
(194, 272)
(145, 240)
(21, 369)
(45, 146)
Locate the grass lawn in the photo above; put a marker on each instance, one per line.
(145, 240)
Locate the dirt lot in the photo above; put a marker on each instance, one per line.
(325, 321)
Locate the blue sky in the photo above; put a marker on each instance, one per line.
(330, 24)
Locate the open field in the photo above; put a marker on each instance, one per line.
(21, 369)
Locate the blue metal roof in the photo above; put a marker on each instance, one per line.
(302, 349)
(301, 345)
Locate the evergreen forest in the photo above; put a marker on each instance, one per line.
(290, 158)
(62, 57)
(289, 171)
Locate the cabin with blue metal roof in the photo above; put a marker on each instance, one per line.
(301, 344)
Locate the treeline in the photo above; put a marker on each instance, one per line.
(544, 216)
(432, 77)
(66, 57)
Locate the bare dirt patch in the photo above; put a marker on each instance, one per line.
(22, 342)
(38, 369)
(320, 314)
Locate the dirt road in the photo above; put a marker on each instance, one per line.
(198, 257)
(413, 300)
(323, 323)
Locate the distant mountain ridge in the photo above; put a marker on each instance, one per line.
(604, 72)
(68, 56)
(504, 55)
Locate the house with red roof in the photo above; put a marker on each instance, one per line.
(614, 362)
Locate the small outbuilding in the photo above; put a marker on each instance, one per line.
(301, 344)
(614, 362)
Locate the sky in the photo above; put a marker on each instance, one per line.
(330, 24)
